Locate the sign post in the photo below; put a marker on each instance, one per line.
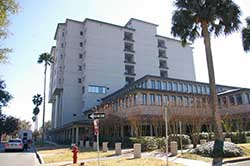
(96, 132)
(96, 116)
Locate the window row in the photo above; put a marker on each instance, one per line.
(158, 99)
(174, 86)
(97, 89)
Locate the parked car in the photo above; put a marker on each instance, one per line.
(14, 144)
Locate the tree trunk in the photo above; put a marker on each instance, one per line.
(218, 146)
(44, 97)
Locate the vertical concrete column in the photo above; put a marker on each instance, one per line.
(173, 148)
(77, 135)
(137, 150)
(87, 144)
(203, 141)
(244, 98)
(131, 131)
(81, 143)
(72, 135)
(118, 150)
(105, 146)
(151, 129)
(122, 132)
(94, 145)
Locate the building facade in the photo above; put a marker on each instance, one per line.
(93, 59)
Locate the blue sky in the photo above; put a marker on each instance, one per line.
(33, 30)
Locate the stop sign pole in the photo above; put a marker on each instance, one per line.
(96, 132)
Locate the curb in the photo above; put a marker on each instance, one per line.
(38, 156)
(236, 160)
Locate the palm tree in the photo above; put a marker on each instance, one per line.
(202, 18)
(47, 59)
(246, 36)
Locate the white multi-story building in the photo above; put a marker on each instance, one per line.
(94, 59)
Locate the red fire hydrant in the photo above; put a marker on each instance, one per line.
(74, 151)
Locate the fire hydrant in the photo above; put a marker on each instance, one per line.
(74, 151)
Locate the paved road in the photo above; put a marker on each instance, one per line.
(17, 158)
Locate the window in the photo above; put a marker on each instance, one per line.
(83, 89)
(62, 34)
(190, 88)
(199, 89)
(194, 89)
(158, 85)
(81, 33)
(162, 53)
(129, 70)
(79, 80)
(161, 43)
(239, 99)
(158, 99)
(79, 68)
(163, 73)
(128, 36)
(152, 84)
(180, 87)
(248, 98)
(169, 86)
(81, 45)
(80, 56)
(163, 64)
(129, 58)
(174, 86)
(62, 45)
(231, 99)
(152, 99)
(164, 86)
(144, 98)
(203, 90)
(166, 99)
(208, 90)
(173, 99)
(185, 88)
(185, 101)
(129, 80)
(97, 89)
(179, 100)
(129, 47)
(143, 84)
(61, 56)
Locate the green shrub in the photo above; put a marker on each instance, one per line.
(237, 137)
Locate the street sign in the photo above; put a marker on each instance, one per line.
(96, 127)
(96, 115)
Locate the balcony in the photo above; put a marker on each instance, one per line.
(128, 47)
(130, 73)
(128, 36)
(161, 44)
(163, 67)
(129, 58)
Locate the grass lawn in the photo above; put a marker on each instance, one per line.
(245, 147)
(130, 162)
(65, 154)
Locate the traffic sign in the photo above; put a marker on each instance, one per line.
(96, 126)
(96, 115)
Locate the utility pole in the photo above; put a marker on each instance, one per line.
(166, 126)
